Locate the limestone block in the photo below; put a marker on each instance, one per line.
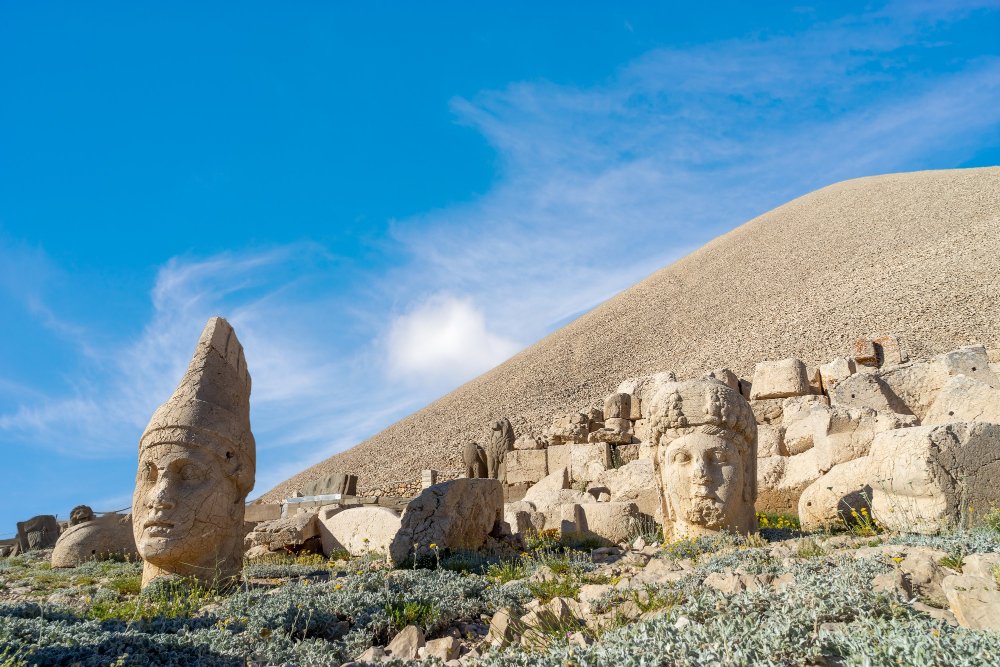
(557, 456)
(640, 429)
(616, 431)
(782, 479)
(618, 406)
(800, 407)
(633, 482)
(257, 512)
(864, 352)
(799, 436)
(867, 390)
(917, 384)
(197, 463)
(780, 379)
(889, 350)
(980, 565)
(514, 492)
(836, 371)
(815, 379)
(589, 460)
(926, 477)
(545, 494)
(771, 441)
(528, 442)
(105, 537)
(568, 429)
(290, 531)
(522, 517)
(964, 399)
(526, 465)
(611, 522)
(459, 514)
(975, 601)
(829, 501)
(849, 433)
(622, 454)
(357, 530)
(338, 482)
(38, 532)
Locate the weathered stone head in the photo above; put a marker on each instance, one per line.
(705, 439)
(197, 459)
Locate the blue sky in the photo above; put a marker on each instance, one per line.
(387, 199)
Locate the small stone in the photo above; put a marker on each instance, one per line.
(443, 649)
(404, 645)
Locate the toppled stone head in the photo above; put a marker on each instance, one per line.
(705, 439)
(197, 459)
(80, 514)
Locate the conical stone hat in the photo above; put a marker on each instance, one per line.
(210, 409)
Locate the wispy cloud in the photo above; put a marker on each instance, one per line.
(599, 187)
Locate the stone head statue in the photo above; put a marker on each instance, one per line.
(197, 459)
(705, 456)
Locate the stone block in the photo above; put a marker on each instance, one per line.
(864, 352)
(38, 532)
(771, 441)
(889, 350)
(964, 399)
(589, 460)
(780, 379)
(633, 482)
(459, 514)
(255, 513)
(618, 406)
(611, 522)
(815, 379)
(357, 530)
(557, 456)
(545, 494)
(836, 371)
(831, 499)
(526, 465)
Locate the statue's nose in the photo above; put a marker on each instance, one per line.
(160, 498)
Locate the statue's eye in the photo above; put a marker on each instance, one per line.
(681, 457)
(720, 457)
(191, 472)
(149, 472)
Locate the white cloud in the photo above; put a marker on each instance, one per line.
(444, 341)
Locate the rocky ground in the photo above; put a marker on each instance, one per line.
(780, 598)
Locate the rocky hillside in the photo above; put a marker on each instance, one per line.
(915, 254)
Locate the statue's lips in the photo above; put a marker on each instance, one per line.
(157, 527)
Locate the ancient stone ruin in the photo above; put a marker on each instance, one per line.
(196, 466)
(705, 457)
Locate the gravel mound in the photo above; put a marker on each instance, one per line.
(915, 254)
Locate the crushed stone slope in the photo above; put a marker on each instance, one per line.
(916, 254)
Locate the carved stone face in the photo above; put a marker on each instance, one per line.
(702, 480)
(183, 504)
